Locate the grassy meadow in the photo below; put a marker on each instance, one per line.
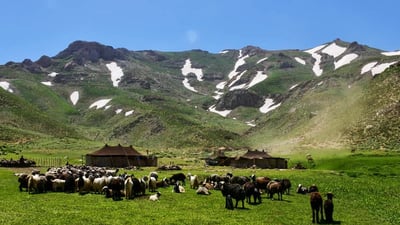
(365, 187)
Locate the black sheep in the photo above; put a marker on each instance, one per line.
(177, 177)
(328, 208)
(235, 191)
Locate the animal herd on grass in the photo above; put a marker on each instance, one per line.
(88, 179)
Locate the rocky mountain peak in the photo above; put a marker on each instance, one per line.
(82, 51)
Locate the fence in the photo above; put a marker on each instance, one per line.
(49, 161)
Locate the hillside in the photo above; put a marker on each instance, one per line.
(282, 100)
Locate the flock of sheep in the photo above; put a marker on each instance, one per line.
(88, 179)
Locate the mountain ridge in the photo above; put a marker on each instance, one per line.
(143, 97)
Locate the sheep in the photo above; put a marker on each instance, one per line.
(194, 181)
(98, 184)
(36, 183)
(128, 185)
(23, 180)
(155, 197)
(328, 208)
(58, 185)
(316, 206)
(301, 190)
(251, 189)
(275, 187)
(234, 191)
(152, 184)
(203, 191)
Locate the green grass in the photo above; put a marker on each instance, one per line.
(364, 198)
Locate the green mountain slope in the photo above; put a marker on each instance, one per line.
(284, 100)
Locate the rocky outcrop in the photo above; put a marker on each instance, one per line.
(237, 98)
(82, 51)
(44, 61)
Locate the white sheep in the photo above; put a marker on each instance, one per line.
(58, 185)
(155, 197)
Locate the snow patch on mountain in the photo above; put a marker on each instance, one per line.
(187, 85)
(250, 123)
(128, 113)
(381, 67)
(52, 74)
(260, 76)
(316, 67)
(300, 60)
(47, 83)
(223, 113)
(262, 60)
(241, 61)
(269, 105)
(116, 73)
(236, 78)
(391, 53)
(118, 111)
(6, 86)
(334, 50)
(74, 97)
(345, 60)
(368, 67)
(187, 69)
(223, 52)
(100, 103)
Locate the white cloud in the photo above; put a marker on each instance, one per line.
(192, 36)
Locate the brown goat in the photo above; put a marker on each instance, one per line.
(328, 208)
(316, 206)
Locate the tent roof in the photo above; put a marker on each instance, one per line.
(118, 150)
(255, 155)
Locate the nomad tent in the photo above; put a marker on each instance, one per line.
(119, 157)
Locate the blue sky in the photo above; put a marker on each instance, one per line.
(30, 29)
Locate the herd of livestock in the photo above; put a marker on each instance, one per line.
(88, 179)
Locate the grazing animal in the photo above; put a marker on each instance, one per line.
(36, 183)
(23, 181)
(178, 177)
(194, 181)
(98, 184)
(228, 202)
(328, 208)
(128, 185)
(286, 185)
(235, 191)
(316, 206)
(313, 188)
(239, 180)
(155, 197)
(301, 190)
(262, 182)
(116, 185)
(176, 188)
(251, 189)
(58, 185)
(154, 174)
(152, 184)
(275, 187)
(203, 191)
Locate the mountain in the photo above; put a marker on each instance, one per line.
(282, 100)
